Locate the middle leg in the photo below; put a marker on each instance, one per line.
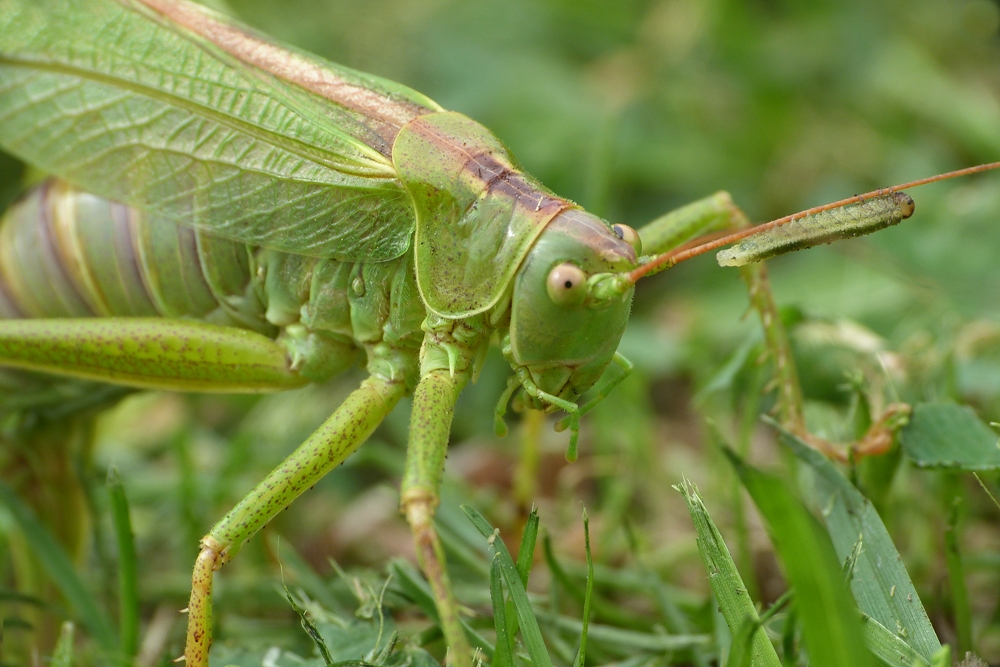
(448, 359)
(430, 426)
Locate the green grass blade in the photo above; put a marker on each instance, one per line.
(673, 618)
(581, 656)
(889, 648)
(303, 575)
(604, 610)
(526, 552)
(502, 656)
(530, 632)
(460, 541)
(380, 656)
(525, 558)
(789, 645)
(727, 585)
(741, 653)
(985, 488)
(721, 634)
(943, 658)
(59, 568)
(310, 628)
(956, 579)
(831, 629)
(779, 604)
(627, 642)
(880, 583)
(416, 588)
(128, 568)
(945, 435)
(63, 654)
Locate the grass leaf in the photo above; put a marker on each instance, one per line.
(525, 559)
(526, 552)
(889, 648)
(740, 652)
(59, 568)
(727, 585)
(63, 654)
(581, 656)
(415, 587)
(880, 583)
(530, 632)
(605, 610)
(502, 655)
(946, 435)
(627, 642)
(303, 574)
(310, 628)
(956, 578)
(128, 569)
(831, 629)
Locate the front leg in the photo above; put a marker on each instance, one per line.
(430, 425)
(451, 350)
(349, 426)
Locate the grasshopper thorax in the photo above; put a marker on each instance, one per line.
(562, 335)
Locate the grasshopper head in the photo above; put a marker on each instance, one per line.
(563, 330)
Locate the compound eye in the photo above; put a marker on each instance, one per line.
(567, 285)
(629, 236)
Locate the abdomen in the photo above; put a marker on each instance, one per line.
(67, 253)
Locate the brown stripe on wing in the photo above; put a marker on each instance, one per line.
(502, 179)
(482, 172)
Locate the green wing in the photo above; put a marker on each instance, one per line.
(166, 106)
(478, 214)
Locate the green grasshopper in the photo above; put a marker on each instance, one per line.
(262, 219)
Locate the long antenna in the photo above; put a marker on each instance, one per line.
(676, 256)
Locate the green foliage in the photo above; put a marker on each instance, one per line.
(830, 627)
(749, 639)
(128, 566)
(62, 656)
(59, 568)
(530, 631)
(878, 579)
(945, 435)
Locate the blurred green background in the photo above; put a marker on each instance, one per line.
(632, 108)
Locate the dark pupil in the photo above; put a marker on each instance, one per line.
(568, 284)
(619, 232)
